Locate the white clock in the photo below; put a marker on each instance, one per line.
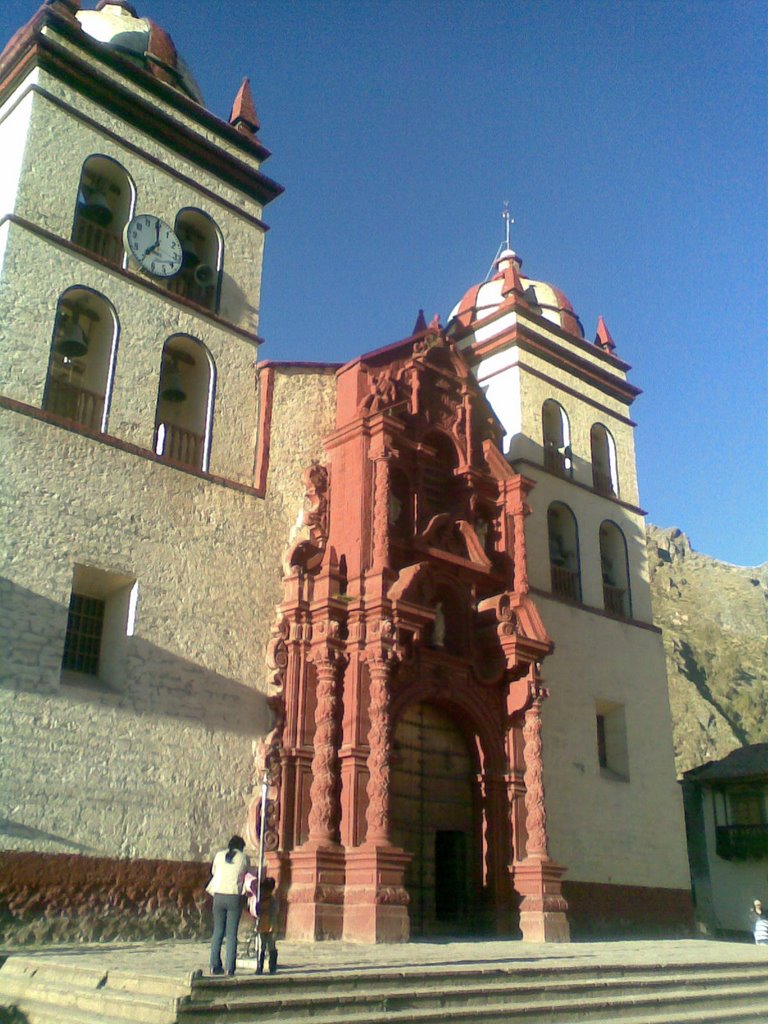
(153, 245)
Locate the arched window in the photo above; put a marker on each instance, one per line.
(200, 275)
(439, 486)
(82, 361)
(605, 478)
(105, 199)
(185, 402)
(556, 433)
(563, 534)
(614, 565)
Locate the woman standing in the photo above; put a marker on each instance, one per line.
(225, 886)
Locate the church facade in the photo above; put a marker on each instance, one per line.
(408, 595)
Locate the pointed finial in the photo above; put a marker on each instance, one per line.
(434, 323)
(504, 254)
(421, 323)
(244, 116)
(603, 338)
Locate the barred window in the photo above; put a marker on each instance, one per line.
(84, 629)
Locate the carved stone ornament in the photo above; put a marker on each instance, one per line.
(385, 390)
(309, 535)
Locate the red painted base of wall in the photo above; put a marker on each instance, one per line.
(597, 911)
(71, 898)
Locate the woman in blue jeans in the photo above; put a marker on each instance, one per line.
(226, 886)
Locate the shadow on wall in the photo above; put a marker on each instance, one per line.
(12, 1015)
(144, 680)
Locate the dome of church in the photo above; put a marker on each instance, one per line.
(116, 24)
(507, 286)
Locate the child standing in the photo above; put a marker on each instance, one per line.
(266, 925)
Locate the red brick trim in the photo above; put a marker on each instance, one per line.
(125, 446)
(534, 372)
(261, 458)
(50, 897)
(595, 611)
(597, 910)
(123, 143)
(553, 353)
(31, 48)
(577, 483)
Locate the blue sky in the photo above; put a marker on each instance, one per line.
(630, 141)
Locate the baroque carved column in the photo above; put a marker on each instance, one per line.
(536, 814)
(381, 511)
(537, 878)
(376, 902)
(380, 744)
(323, 817)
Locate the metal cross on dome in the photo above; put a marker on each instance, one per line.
(508, 221)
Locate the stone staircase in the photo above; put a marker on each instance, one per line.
(48, 992)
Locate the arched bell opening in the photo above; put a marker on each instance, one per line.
(82, 360)
(556, 437)
(105, 201)
(564, 564)
(614, 565)
(200, 276)
(605, 478)
(185, 402)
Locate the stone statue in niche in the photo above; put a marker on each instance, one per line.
(438, 630)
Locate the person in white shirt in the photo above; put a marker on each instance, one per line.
(759, 923)
(226, 886)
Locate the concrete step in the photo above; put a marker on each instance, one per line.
(59, 992)
(44, 989)
(461, 984)
(628, 1011)
(609, 996)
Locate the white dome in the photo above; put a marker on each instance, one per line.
(508, 286)
(118, 26)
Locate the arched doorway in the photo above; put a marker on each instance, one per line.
(435, 818)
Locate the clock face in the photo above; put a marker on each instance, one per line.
(153, 245)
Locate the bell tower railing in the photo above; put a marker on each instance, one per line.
(75, 403)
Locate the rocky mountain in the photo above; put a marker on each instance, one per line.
(715, 622)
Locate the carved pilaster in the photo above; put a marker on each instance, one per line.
(536, 814)
(323, 816)
(381, 512)
(520, 554)
(380, 658)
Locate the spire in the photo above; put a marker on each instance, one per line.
(603, 337)
(244, 116)
(505, 253)
(421, 323)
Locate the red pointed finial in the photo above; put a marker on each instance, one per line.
(434, 323)
(244, 116)
(421, 323)
(603, 338)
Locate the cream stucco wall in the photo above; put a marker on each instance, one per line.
(159, 761)
(76, 128)
(626, 831)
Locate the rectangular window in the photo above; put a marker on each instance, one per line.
(612, 749)
(84, 628)
(602, 756)
(102, 616)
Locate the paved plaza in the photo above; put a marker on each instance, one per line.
(181, 958)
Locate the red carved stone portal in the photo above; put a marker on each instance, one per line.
(406, 585)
